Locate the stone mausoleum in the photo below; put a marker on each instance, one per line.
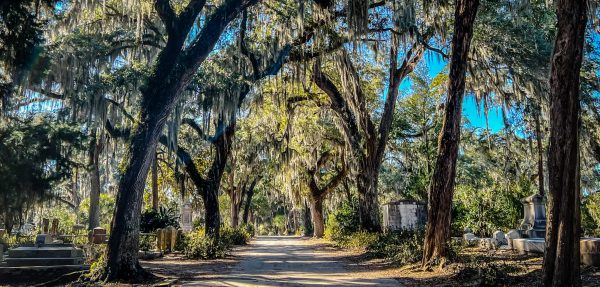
(404, 215)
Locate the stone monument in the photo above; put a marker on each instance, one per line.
(404, 215)
(186, 217)
(533, 224)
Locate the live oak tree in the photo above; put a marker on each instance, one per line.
(172, 72)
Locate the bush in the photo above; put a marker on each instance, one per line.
(357, 240)
(343, 221)
(198, 246)
(402, 247)
(249, 229)
(234, 236)
(152, 220)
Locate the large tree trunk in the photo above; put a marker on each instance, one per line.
(249, 194)
(247, 203)
(235, 212)
(366, 183)
(316, 212)
(155, 182)
(172, 73)
(308, 228)
(442, 185)
(94, 212)
(122, 263)
(561, 256)
(540, 149)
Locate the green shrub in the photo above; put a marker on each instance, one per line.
(358, 240)
(402, 247)
(152, 220)
(234, 236)
(249, 229)
(197, 246)
(343, 221)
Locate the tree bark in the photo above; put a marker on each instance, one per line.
(249, 194)
(561, 256)
(94, 161)
(155, 182)
(173, 71)
(368, 202)
(441, 191)
(540, 148)
(316, 212)
(308, 228)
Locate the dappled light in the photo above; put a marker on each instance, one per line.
(300, 143)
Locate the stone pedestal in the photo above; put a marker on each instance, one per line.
(404, 214)
(533, 224)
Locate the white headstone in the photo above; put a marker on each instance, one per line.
(510, 236)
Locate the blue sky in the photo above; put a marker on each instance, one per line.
(475, 114)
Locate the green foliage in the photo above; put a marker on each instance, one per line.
(590, 215)
(342, 221)
(248, 229)
(32, 161)
(403, 247)
(152, 220)
(107, 205)
(198, 246)
(234, 236)
(66, 218)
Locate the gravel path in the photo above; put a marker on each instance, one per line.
(288, 261)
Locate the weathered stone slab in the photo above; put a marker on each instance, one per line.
(590, 251)
(404, 214)
(43, 239)
(511, 235)
(44, 252)
(500, 238)
(528, 245)
(98, 235)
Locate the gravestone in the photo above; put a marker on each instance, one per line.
(171, 238)
(54, 228)
(500, 238)
(98, 235)
(186, 217)
(160, 239)
(404, 215)
(533, 224)
(590, 251)
(42, 239)
(510, 236)
(45, 225)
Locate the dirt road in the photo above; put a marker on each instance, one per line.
(286, 261)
